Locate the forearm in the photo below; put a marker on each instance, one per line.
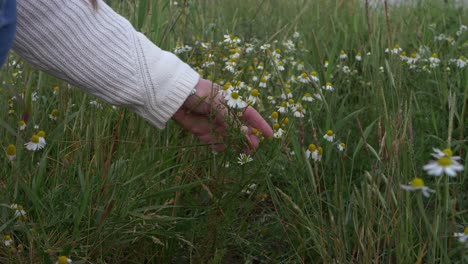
(99, 51)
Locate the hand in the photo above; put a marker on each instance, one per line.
(204, 115)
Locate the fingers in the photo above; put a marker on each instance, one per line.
(202, 128)
(253, 119)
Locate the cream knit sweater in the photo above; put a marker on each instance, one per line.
(100, 51)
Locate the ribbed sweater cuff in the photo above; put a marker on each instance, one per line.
(167, 82)
(178, 91)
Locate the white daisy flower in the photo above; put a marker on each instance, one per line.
(417, 184)
(460, 62)
(11, 152)
(328, 86)
(21, 125)
(250, 188)
(299, 111)
(312, 152)
(7, 240)
(313, 76)
(260, 66)
(263, 82)
(42, 141)
(280, 65)
(265, 47)
(283, 107)
(274, 117)
(63, 260)
(358, 56)
(346, 69)
(413, 59)
(307, 97)
(286, 94)
(300, 66)
(443, 165)
(227, 89)
(34, 144)
(231, 39)
(278, 131)
(19, 211)
(244, 158)
(303, 78)
(234, 100)
(343, 55)
(341, 147)
(462, 237)
(329, 136)
(54, 114)
(276, 54)
(253, 97)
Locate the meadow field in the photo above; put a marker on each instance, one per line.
(368, 162)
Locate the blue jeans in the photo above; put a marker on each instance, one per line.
(7, 27)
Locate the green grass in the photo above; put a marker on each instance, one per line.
(109, 188)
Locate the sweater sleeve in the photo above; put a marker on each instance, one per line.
(100, 52)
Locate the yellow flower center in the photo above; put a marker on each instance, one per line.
(304, 75)
(308, 95)
(329, 84)
(287, 90)
(281, 63)
(7, 237)
(255, 131)
(11, 150)
(251, 68)
(403, 53)
(417, 182)
(35, 139)
(291, 101)
(226, 86)
(312, 147)
(414, 55)
(313, 73)
(254, 92)
(283, 104)
(359, 54)
(21, 123)
(466, 231)
(56, 88)
(448, 152)
(342, 52)
(276, 126)
(274, 115)
(444, 161)
(41, 134)
(320, 151)
(263, 80)
(330, 133)
(397, 46)
(62, 260)
(434, 55)
(234, 95)
(278, 51)
(343, 145)
(285, 121)
(55, 112)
